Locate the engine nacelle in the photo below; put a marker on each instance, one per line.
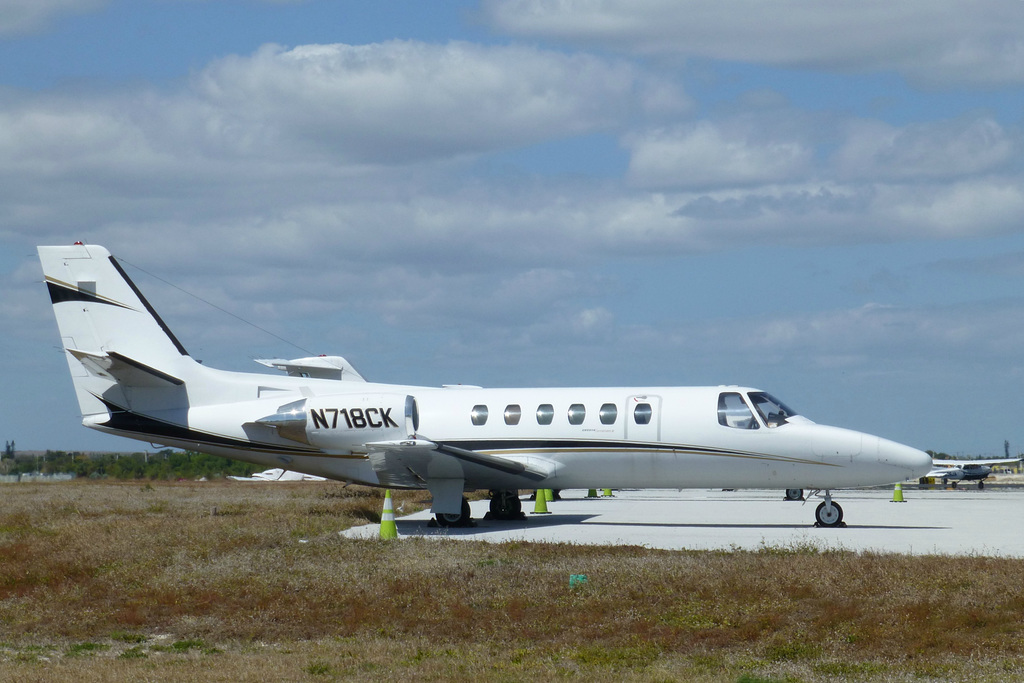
(340, 421)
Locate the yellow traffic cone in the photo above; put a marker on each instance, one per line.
(607, 493)
(591, 493)
(388, 529)
(541, 506)
(897, 494)
(550, 493)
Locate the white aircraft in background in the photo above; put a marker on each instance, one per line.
(134, 378)
(278, 474)
(955, 471)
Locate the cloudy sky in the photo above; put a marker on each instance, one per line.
(820, 199)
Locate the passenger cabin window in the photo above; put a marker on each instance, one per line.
(577, 412)
(774, 412)
(512, 414)
(545, 414)
(479, 415)
(733, 412)
(608, 413)
(642, 413)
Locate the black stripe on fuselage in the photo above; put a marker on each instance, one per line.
(128, 421)
(507, 447)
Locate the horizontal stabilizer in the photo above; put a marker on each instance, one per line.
(961, 463)
(123, 370)
(319, 367)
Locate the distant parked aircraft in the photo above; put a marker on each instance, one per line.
(278, 474)
(955, 471)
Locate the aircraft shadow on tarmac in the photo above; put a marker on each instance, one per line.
(687, 525)
(483, 526)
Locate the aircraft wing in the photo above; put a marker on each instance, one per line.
(944, 472)
(961, 463)
(409, 462)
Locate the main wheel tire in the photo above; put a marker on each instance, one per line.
(505, 504)
(453, 519)
(794, 494)
(829, 515)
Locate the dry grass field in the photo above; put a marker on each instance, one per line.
(236, 581)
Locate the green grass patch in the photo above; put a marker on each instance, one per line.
(79, 649)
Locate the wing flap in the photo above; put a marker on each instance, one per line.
(409, 462)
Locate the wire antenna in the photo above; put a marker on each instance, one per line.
(222, 310)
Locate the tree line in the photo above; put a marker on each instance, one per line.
(166, 465)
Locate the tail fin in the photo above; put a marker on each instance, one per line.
(119, 351)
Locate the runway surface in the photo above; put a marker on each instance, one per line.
(947, 522)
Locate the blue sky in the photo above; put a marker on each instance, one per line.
(823, 200)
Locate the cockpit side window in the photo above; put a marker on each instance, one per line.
(733, 412)
(774, 412)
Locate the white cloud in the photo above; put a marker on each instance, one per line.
(706, 154)
(864, 337)
(403, 100)
(341, 153)
(933, 41)
(874, 150)
(19, 17)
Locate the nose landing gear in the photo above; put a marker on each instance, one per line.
(829, 514)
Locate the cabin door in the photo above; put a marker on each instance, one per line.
(643, 418)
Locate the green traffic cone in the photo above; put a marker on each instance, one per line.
(897, 494)
(540, 507)
(388, 529)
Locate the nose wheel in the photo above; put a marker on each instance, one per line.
(829, 514)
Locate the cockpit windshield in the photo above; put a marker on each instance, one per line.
(773, 411)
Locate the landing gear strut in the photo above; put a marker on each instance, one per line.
(505, 505)
(829, 514)
(463, 518)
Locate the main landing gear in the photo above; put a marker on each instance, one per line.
(505, 505)
(829, 514)
(463, 518)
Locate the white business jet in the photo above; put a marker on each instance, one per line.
(134, 378)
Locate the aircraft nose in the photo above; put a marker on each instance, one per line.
(912, 462)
